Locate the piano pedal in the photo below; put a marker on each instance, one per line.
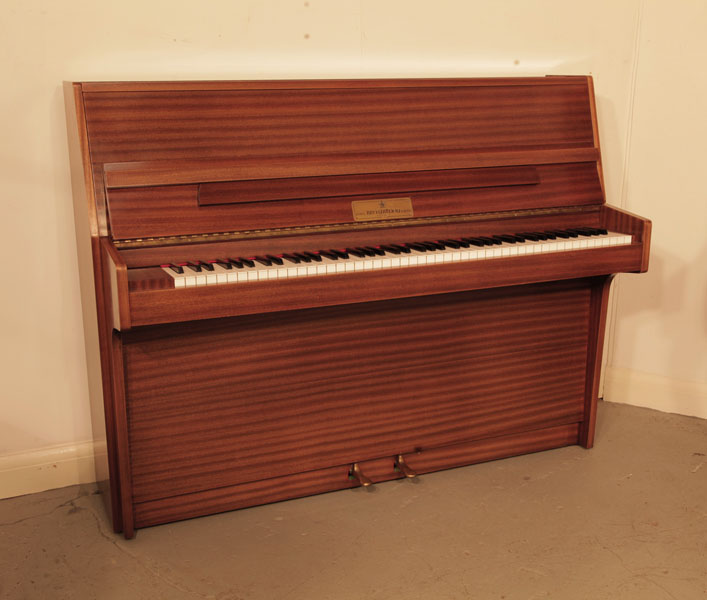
(355, 474)
(403, 467)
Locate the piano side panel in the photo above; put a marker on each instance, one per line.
(233, 401)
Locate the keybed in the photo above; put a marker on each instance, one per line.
(309, 263)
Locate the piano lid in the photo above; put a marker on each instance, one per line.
(193, 158)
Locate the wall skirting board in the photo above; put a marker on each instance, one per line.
(48, 468)
(637, 388)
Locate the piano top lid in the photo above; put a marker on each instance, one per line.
(150, 136)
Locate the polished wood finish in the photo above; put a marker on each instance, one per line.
(175, 209)
(226, 396)
(353, 383)
(307, 483)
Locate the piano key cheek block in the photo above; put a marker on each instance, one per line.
(305, 286)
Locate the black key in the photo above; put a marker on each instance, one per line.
(247, 262)
(340, 253)
(175, 268)
(223, 263)
(313, 255)
(595, 231)
(580, 231)
(355, 252)
(435, 245)
(263, 261)
(474, 241)
(506, 238)
(376, 251)
(541, 236)
(450, 244)
(194, 267)
(401, 248)
(207, 266)
(328, 254)
(236, 263)
(550, 235)
(275, 259)
(529, 236)
(366, 251)
(560, 234)
(415, 246)
(290, 258)
(461, 242)
(391, 249)
(489, 241)
(303, 257)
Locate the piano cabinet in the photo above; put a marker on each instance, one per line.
(280, 385)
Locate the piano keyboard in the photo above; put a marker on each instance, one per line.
(388, 256)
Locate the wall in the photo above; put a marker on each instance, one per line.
(45, 431)
(658, 350)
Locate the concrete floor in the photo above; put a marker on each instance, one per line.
(627, 519)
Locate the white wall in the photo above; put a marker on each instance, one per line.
(658, 351)
(44, 410)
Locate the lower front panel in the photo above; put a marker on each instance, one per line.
(308, 483)
(233, 402)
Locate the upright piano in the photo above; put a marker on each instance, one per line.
(305, 286)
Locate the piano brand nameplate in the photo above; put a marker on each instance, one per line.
(388, 208)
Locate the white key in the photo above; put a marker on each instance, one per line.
(179, 278)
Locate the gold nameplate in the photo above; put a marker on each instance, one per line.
(385, 208)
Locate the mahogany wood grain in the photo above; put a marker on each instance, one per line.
(640, 227)
(597, 325)
(221, 124)
(245, 168)
(264, 190)
(150, 307)
(122, 444)
(90, 217)
(353, 383)
(165, 510)
(118, 304)
(104, 304)
(175, 210)
(595, 133)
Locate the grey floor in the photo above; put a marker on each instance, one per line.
(627, 519)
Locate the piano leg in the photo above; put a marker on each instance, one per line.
(597, 325)
(122, 438)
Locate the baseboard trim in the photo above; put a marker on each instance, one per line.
(626, 386)
(49, 468)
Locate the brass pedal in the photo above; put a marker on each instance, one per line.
(403, 467)
(356, 473)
